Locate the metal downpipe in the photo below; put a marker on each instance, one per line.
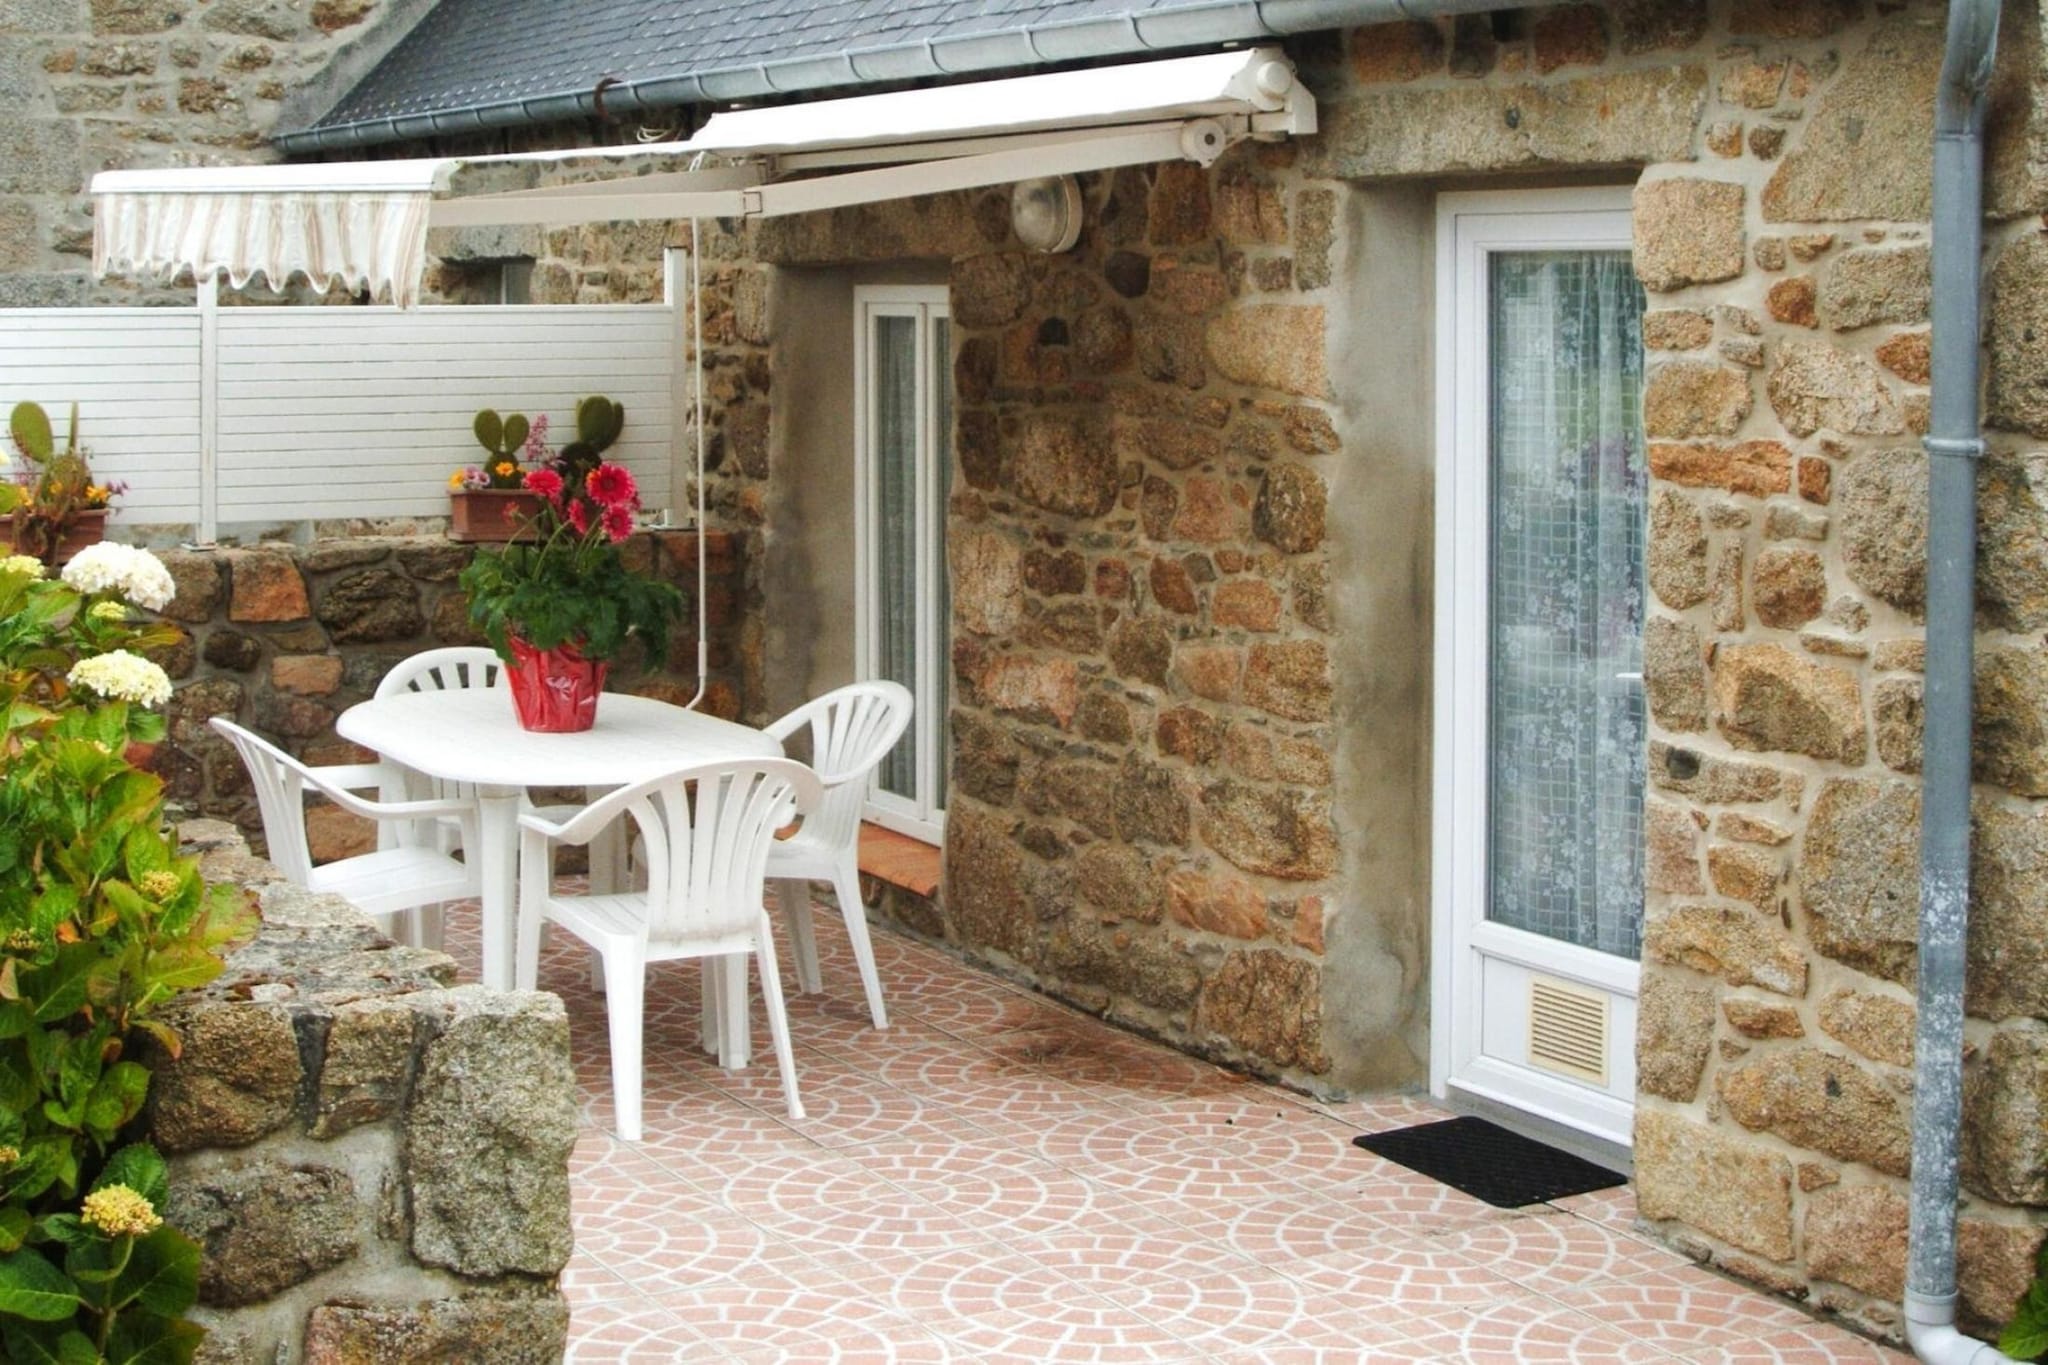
(1954, 447)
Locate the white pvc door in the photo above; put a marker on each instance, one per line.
(1540, 724)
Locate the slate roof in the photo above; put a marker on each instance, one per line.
(497, 63)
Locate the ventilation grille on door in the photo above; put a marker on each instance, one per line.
(1568, 1030)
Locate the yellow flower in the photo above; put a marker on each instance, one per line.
(23, 564)
(455, 480)
(159, 885)
(504, 469)
(119, 1211)
(108, 611)
(9, 1155)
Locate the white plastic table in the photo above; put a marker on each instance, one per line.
(471, 735)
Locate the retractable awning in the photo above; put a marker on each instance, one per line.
(365, 223)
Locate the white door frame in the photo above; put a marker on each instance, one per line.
(920, 818)
(1469, 227)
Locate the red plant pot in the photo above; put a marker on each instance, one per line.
(554, 691)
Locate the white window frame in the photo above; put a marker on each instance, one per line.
(1470, 227)
(921, 818)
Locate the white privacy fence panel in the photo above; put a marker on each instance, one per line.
(134, 374)
(366, 411)
(333, 412)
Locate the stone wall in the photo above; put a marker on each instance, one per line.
(1163, 435)
(93, 85)
(282, 638)
(375, 1162)
(1788, 269)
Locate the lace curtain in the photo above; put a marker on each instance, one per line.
(1566, 699)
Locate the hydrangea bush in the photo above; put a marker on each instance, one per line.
(101, 922)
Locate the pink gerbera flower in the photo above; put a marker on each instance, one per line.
(579, 515)
(618, 523)
(612, 485)
(545, 482)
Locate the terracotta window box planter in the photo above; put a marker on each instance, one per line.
(87, 528)
(493, 515)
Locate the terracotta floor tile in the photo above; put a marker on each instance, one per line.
(997, 1178)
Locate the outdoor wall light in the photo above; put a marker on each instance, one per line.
(1046, 213)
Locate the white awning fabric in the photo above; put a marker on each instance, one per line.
(364, 224)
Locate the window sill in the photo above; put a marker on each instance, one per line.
(899, 860)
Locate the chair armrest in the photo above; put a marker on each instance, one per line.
(549, 829)
(386, 810)
(355, 776)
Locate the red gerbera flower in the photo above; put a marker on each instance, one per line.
(579, 515)
(545, 482)
(618, 523)
(612, 485)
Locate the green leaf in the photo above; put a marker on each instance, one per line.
(144, 851)
(64, 1229)
(182, 966)
(2026, 1336)
(162, 1275)
(141, 1338)
(140, 1168)
(32, 1288)
(115, 1100)
(47, 1345)
(14, 1226)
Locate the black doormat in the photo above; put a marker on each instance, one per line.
(1488, 1162)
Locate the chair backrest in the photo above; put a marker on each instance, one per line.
(705, 832)
(280, 782)
(852, 730)
(444, 670)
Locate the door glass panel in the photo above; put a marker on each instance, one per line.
(942, 496)
(1566, 711)
(895, 471)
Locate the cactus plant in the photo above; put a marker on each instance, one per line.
(598, 423)
(30, 427)
(43, 501)
(505, 438)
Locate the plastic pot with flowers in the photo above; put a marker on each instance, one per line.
(560, 608)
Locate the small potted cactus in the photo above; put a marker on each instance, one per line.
(50, 507)
(492, 502)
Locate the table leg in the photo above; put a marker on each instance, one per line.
(498, 869)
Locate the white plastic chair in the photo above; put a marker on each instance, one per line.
(438, 670)
(382, 884)
(704, 837)
(852, 730)
(444, 670)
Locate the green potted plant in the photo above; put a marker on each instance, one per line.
(490, 502)
(560, 608)
(50, 506)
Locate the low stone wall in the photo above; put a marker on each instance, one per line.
(375, 1162)
(283, 638)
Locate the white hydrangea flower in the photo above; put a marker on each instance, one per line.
(99, 568)
(136, 574)
(27, 564)
(122, 676)
(108, 611)
(149, 583)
